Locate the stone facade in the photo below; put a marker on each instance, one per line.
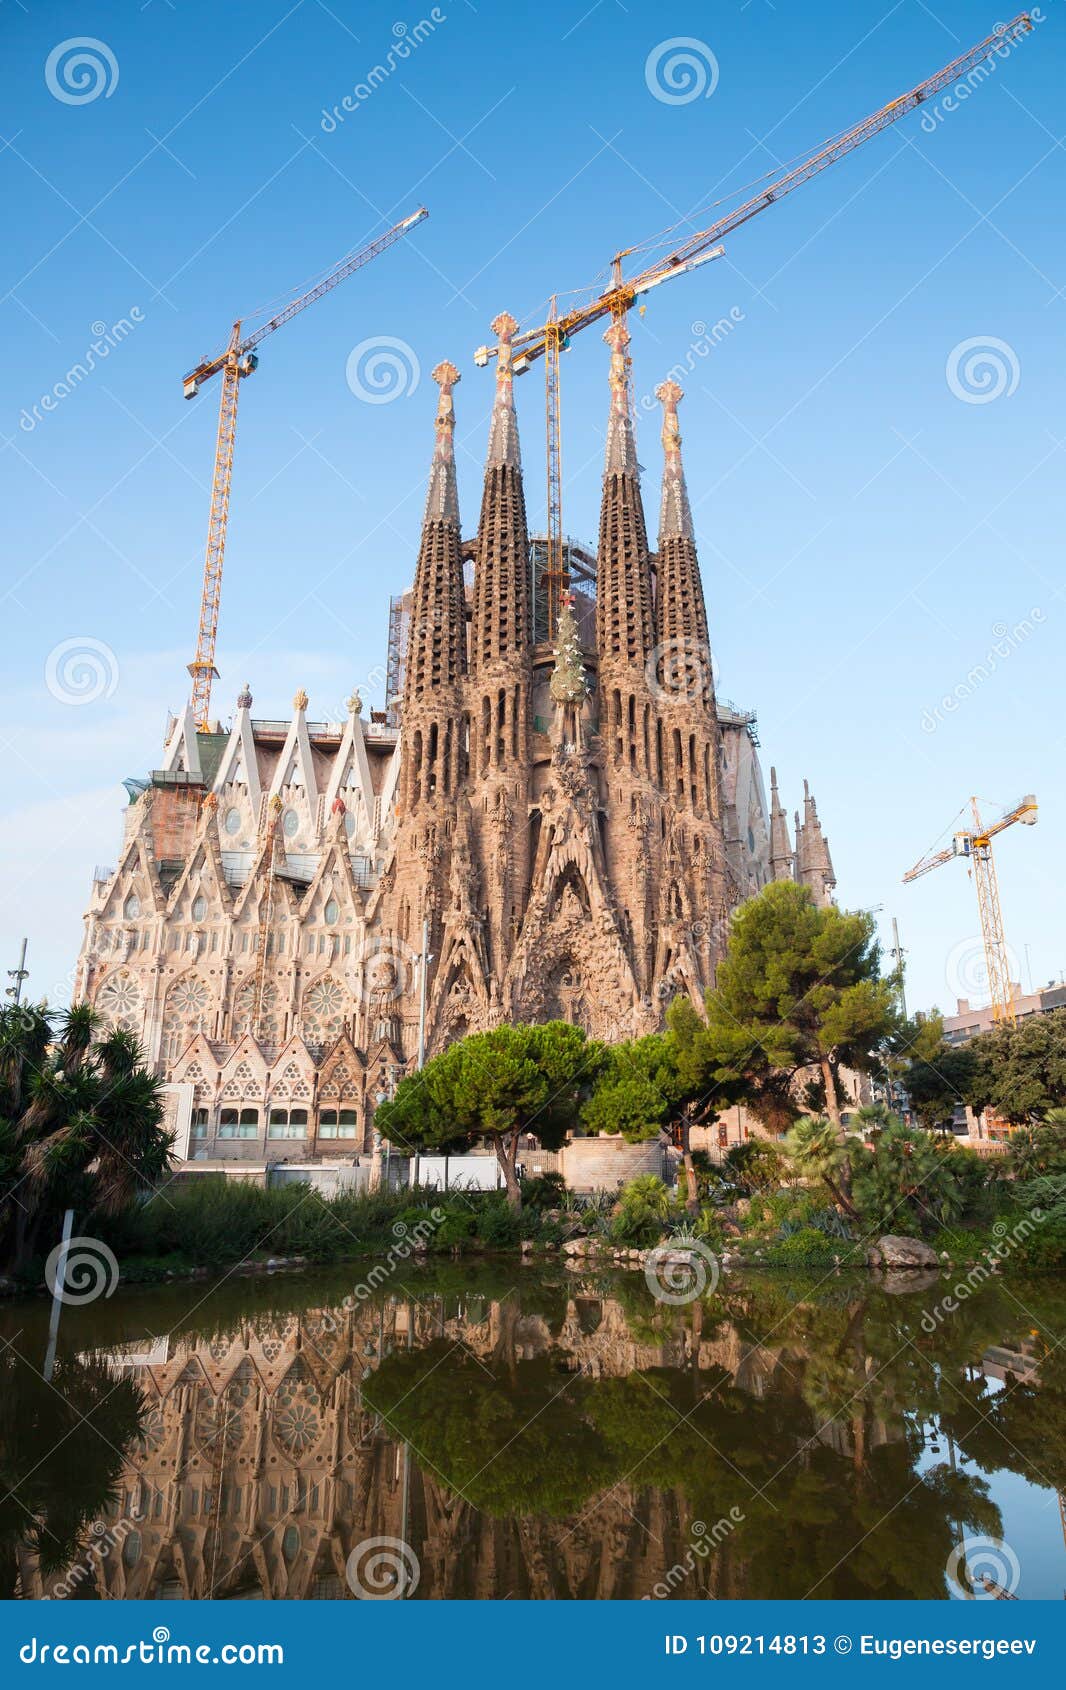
(561, 826)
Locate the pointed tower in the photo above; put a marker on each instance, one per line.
(500, 686)
(501, 582)
(782, 862)
(814, 865)
(624, 624)
(432, 739)
(418, 883)
(692, 884)
(625, 640)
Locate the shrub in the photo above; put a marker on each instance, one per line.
(499, 1226)
(643, 1208)
(544, 1191)
(805, 1248)
(756, 1165)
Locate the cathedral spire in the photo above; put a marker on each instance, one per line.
(503, 432)
(814, 865)
(675, 514)
(624, 621)
(621, 458)
(501, 576)
(681, 615)
(781, 862)
(442, 502)
(436, 654)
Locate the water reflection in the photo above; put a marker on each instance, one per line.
(546, 1435)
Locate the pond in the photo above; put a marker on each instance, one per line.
(494, 1430)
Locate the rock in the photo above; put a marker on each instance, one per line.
(905, 1282)
(527, 1246)
(893, 1252)
(574, 1247)
(743, 1207)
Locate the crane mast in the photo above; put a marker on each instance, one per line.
(237, 360)
(975, 845)
(554, 336)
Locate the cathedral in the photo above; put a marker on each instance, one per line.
(552, 818)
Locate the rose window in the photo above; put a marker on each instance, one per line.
(119, 1001)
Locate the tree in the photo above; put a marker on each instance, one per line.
(817, 1149)
(907, 1182)
(935, 1075)
(493, 1087)
(1020, 1071)
(798, 987)
(81, 1124)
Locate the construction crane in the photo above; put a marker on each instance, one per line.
(555, 336)
(975, 845)
(239, 359)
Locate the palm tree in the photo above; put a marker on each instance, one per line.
(81, 1124)
(819, 1150)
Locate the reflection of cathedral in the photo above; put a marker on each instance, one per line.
(260, 1469)
(568, 819)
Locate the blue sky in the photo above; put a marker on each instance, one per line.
(869, 533)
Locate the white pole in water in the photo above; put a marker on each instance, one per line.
(58, 1284)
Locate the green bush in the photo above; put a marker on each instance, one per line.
(1044, 1251)
(806, 1247)
(216, 1221)
(756, 1165)
(498, 1226)
(643, 1209)
(544, 1191)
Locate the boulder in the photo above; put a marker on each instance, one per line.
(894, 1253)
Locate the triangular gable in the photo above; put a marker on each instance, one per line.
(335, 860)
(351, 773)
(135, 863)
(239, 765)
(295, 768)
(196, 1055)
(292, 1073)
(205, 861)
(342, 1075)
(182, 754)
(245, 1054)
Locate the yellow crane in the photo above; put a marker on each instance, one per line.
(555, 336)
(240, 359)
(975, 846)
